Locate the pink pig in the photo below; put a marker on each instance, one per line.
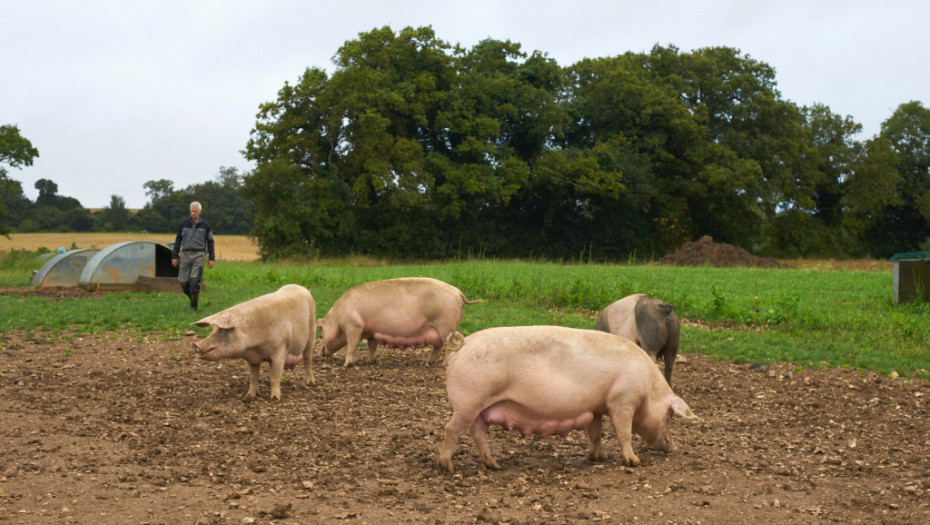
(550, 380)
(277, 328)
(407, 312)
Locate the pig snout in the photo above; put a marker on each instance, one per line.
(321, 349)
(201, 348)
(664, 443)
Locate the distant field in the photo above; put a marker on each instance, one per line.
(228, 247)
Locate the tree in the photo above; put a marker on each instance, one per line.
(157, 189)
(415, 148)
(898, 163)
(814, 224)
(48, 192)
(16, 152)
(14, 205)
(115, 216)
(227, 211)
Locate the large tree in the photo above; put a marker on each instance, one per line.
(814, 223)
(898, 162)
(416, 148)
(15, 152)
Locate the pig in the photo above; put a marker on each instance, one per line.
(407, 312)
(549, 380)
(277, 328)
(649, 322)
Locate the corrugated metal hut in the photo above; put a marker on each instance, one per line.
(63, 269)
(131, 265)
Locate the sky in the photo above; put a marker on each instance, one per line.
(115, 93)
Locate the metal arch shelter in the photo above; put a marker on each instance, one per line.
(63, 269)
(122, 265)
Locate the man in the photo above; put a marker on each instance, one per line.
(194, 239)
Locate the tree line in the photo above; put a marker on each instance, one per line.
(415, 148)
(163, 213)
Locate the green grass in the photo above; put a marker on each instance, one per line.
(810, 317)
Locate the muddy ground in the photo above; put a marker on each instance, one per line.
(123, 428)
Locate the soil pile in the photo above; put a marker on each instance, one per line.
(721, 255)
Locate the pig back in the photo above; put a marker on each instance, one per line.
(291, 310)
(382, 304)
(619, 317)
(547, 365)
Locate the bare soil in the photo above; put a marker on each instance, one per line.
(706, 251)
(130, 428)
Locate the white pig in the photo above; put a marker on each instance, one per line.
(550, 380)
(649, 322)
(277, 328)
(408, 312)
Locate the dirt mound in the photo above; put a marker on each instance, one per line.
(706, 251)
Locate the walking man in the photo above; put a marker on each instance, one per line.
(194, 240)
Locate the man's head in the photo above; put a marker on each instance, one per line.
(195, 211)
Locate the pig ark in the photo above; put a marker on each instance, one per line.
(408, 312)
(277, 328)
(649, 322)
(550, 380)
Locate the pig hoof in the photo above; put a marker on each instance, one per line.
(632, 461)
(447, 464)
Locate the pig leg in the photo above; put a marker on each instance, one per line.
(479, 432)
(454, 429)
(593, 430)
(353, 336)
(277, 370)
(308, 362)
(372, 350)
(434, 353)
(622, 420)
(253, 381)
(437, 347)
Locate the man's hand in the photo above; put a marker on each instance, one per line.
(174, 262)
(210, 264)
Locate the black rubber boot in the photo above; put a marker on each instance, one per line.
(194, 298)
(185, 287)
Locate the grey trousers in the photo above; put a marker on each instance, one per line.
(190, 271)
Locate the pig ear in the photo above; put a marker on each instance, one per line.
(225, 321)
(678, 407)
(204, 322)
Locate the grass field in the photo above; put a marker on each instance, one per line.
(809, 316)
(227, 247)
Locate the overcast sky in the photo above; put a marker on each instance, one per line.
(114, 93)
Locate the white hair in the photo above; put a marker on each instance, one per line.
(197, 205)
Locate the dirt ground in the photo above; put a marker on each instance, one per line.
(131, 429)
(128, 428)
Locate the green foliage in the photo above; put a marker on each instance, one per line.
(15, 151)
(417, 149)
(899, 176)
